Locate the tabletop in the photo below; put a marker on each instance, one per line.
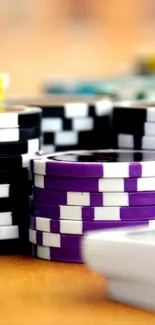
(37, 292)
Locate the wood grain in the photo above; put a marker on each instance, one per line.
(37, 292)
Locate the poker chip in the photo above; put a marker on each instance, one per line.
(126, 141)
(8, 177)
(20, 140)
(95, 185)
(9, 232)
(96, 164)
(14, 186)
(8, 190)
(12, 218)
(74, 123)
(57, 254)
(92, 198)
(19, 147)
(6, 219)
(16, 116)
(140, 293)
(9, 203)
(149, 128)
(133, 125)
(15, 162)
(14, 246)
(93, 213)
(76, 192)
(78, 227)
(55, 240)
(19, 134)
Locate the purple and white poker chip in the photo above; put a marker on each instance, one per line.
(93, 199)
(95, 185)
(93, 213)
(79, 227)
(97, 164)
(57, 254)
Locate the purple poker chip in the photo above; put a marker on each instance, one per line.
(54, 240)
(95, 185)
(79, 227)
(73, 239)
(57, 254)
(92, 213)
(93, 199)
(97, 164)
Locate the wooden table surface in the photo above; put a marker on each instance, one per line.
(37, 292)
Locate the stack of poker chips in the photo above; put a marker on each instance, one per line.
(72, 123)
(76, 125)
(76, 192)
(20, 131)
(133, 125)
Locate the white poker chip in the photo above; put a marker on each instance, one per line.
(132, 292)
(125, 254)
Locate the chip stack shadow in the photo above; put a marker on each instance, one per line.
(77, 192)
(20, 140)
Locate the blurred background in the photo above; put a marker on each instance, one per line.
(72, 38)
